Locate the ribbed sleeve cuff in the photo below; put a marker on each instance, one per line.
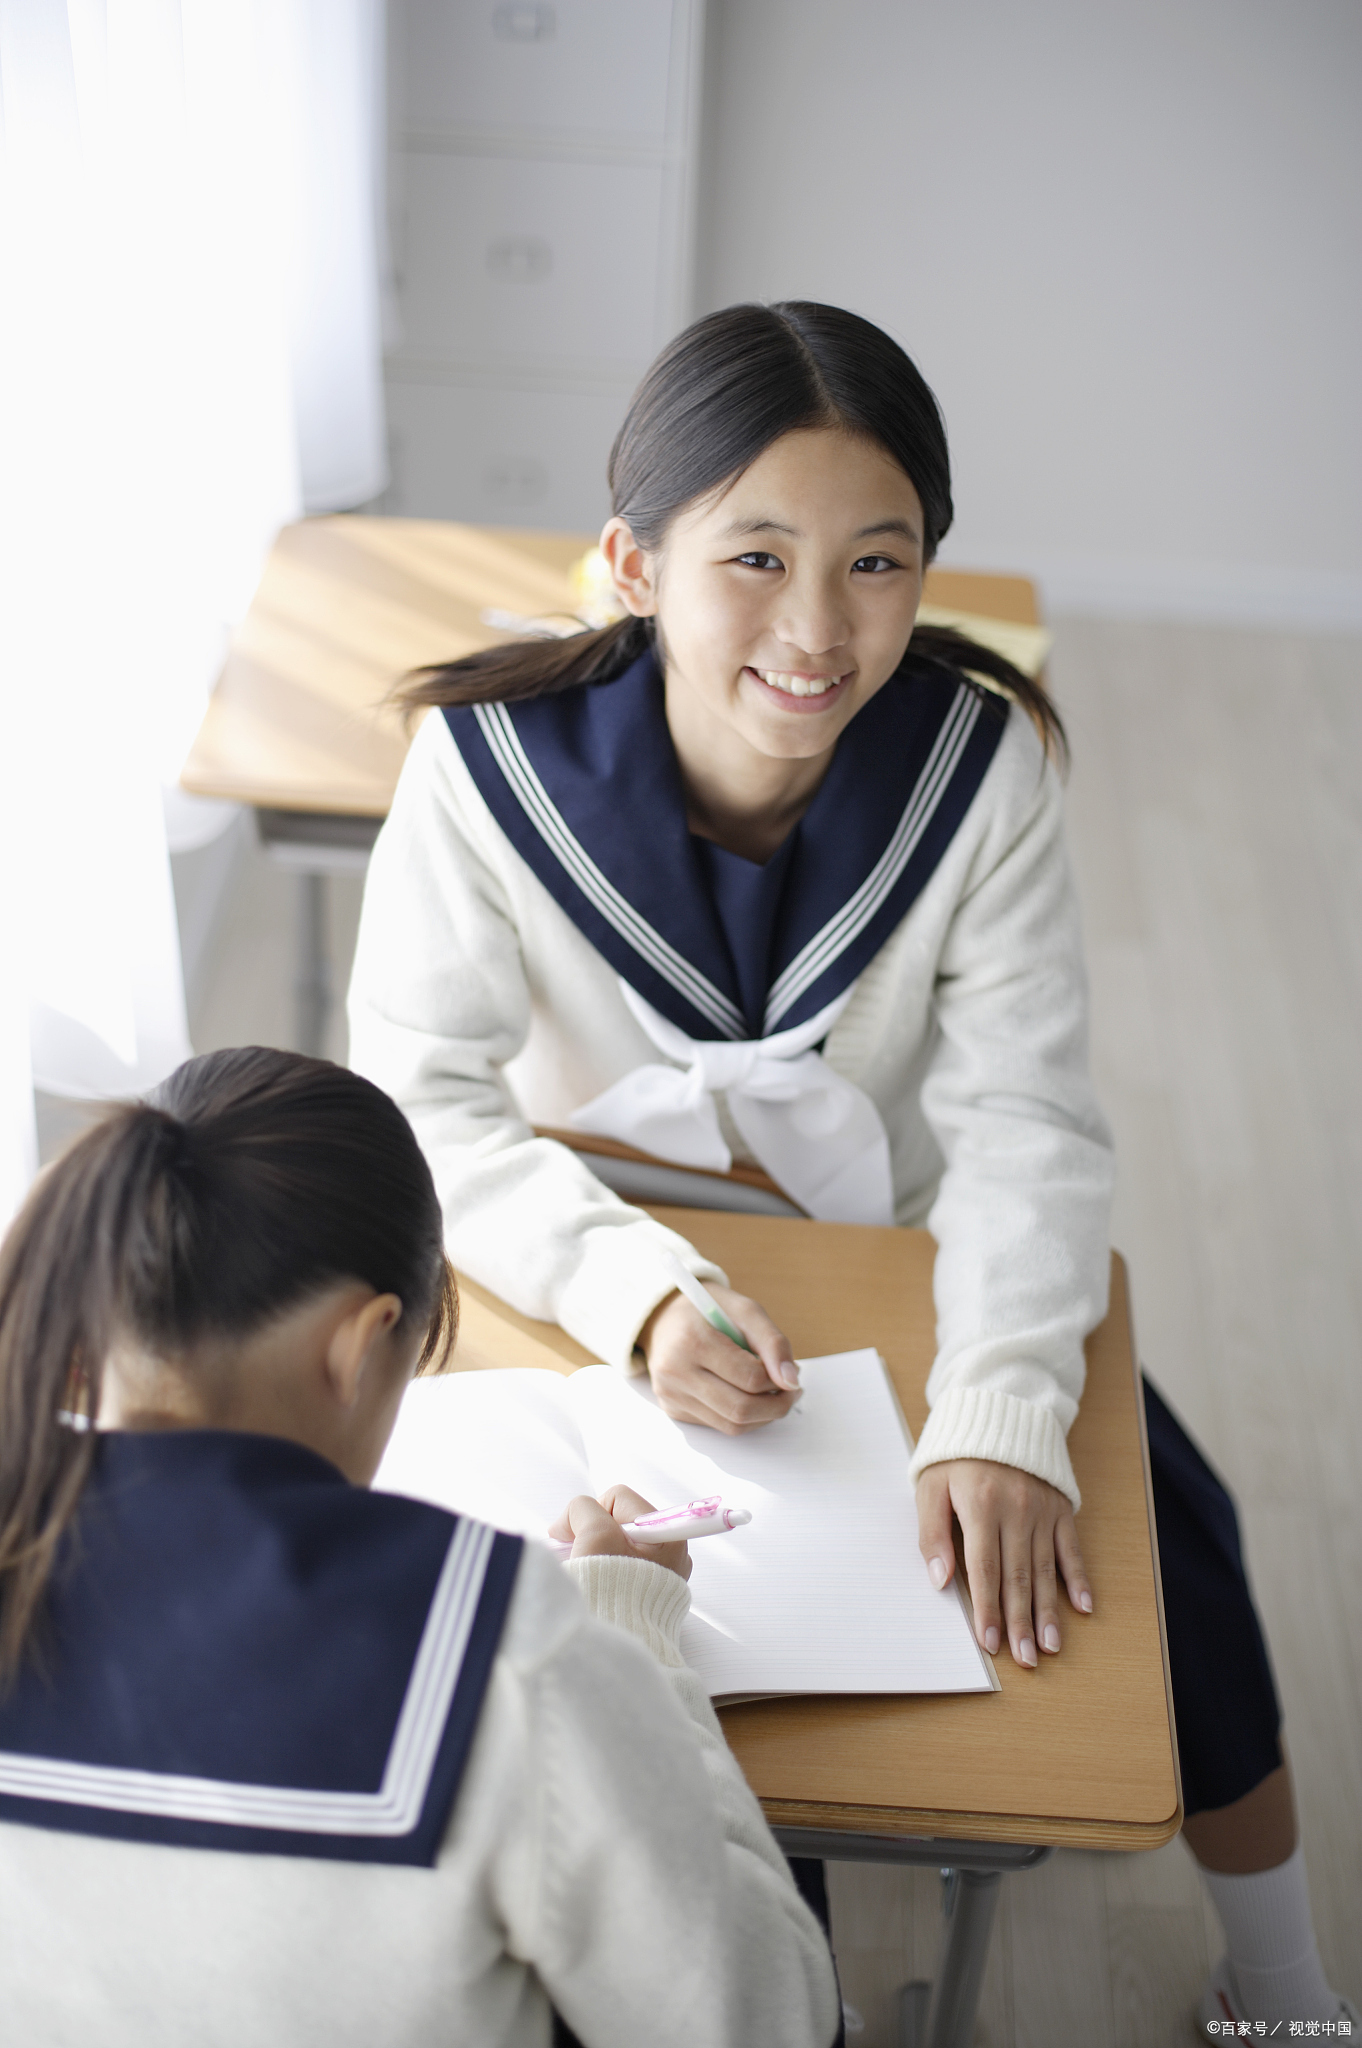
(977, 1422)
(646, 1599)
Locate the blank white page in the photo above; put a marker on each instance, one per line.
(823, 1591)
(501, 1446)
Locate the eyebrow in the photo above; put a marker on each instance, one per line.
(739, 529)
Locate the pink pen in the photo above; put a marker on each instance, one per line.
(679, 1525)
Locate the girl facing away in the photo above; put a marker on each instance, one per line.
(766, 872)
(285, 1761)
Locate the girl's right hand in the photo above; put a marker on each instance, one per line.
(699, 1375)
(594, 1529)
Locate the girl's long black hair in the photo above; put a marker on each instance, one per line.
(250, 1181)
(716, 397)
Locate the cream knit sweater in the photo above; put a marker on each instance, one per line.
(604, 1852)
(478, 1004)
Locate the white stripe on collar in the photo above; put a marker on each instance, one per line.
(698, 990)
(841, 930)
(393, 1810)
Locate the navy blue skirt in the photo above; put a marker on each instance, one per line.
(1224, 1699)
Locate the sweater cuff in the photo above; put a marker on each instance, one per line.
(976, 1422)
(645, 1599)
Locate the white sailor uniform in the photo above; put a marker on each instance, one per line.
(302, 1764)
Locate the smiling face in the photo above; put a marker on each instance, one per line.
(783, 605)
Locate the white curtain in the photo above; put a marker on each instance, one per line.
(181, 182)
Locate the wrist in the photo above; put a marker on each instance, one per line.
(645, 1599)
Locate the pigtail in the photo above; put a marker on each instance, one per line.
(59, 1273)
(519, 669)
(992, 675)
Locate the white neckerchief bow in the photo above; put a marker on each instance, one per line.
(818, 1136)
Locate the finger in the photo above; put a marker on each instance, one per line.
(1045, 1588)
(1071, 1563)
(746, 1370)
(624, 1505)
(1016, 1551)
(690, 1394)
(934, 1526)
(983, 1566)
(581, 1513)
(770, 1344)
(589, 1528)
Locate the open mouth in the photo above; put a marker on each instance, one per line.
(795, 692)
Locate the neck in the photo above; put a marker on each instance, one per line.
(744, 800)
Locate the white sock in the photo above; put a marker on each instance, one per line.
(1271, 1937)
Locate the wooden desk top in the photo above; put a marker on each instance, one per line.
(1078, 1753)
(348, 604)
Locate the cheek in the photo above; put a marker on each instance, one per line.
(712, 625)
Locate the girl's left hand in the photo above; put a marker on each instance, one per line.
(1019, 1537)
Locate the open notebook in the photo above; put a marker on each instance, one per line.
(824, 1591)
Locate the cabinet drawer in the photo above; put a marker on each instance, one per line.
(509, 458)
(528, 263)
(595, 70)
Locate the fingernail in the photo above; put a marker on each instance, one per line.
(1085, 1601)
(936, 1571)
(991, 1640)
(789, 1373)
(1026, 1651)
(1051, 1637)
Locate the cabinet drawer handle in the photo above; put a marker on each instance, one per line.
(515, 480)
(516, 22)
(520, 259)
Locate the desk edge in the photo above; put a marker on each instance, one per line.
(1051, 1830)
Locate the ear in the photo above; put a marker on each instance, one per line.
(355, 1342)
(631, 570)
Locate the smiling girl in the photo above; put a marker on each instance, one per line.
(766, 872)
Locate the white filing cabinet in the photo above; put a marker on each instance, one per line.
(542, 169)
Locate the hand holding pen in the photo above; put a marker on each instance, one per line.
(622, 1524)
(721, 1362)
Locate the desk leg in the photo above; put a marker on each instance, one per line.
(312, 989)
(942, 2015)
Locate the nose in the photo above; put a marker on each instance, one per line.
(813, 621)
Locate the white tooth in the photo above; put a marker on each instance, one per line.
(818, 685)
(800, 685)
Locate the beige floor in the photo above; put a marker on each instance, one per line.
(1216, 826)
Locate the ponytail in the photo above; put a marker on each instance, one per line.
(254, 1179)
(716, 398)
(992, 676)
(519, 669)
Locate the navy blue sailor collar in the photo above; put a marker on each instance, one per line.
(586, 787)
(245, 1652)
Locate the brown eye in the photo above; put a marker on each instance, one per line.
(759, 560)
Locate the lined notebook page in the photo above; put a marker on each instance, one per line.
(823, 1591)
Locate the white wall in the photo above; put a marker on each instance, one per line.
(1122, 243)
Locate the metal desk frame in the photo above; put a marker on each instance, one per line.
(940, 2014)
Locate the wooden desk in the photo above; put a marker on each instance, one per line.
(1078, 1753)
(347, 605)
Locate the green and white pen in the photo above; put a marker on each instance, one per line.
(700, 1298)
